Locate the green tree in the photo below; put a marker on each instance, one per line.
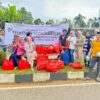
(79, 21)
(50, 21)
(90, 23)
(38, 22)
(96, 22)
(12, 15)
(8, 15)
(93, 22)
(67, 21)
(24, 17)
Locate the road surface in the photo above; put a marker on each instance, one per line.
(53, 91)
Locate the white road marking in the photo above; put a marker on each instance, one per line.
(49, 86)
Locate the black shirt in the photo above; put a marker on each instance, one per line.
(62, 40)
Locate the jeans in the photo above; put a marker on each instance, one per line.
(93, 61)
(65, 57)
(71, 54)
(87, 63)
(15, 58)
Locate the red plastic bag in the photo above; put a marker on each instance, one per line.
(42, 58)
(41, 65)
(44, 50)
(7, 65)
(76, 65)
(41, 50)
(23, 64)
(51, 67)
(56, 49)
(60, 64)
(50, 49)
(41, 61)
(54, 65)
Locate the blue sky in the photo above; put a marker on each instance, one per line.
(57, 9)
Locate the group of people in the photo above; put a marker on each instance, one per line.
(75, 48)
(23, 48)
(83, 49)
(76, 43)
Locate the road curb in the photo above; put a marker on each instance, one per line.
(58, 76)
(36, 77)
(7, 78)
(41, 77)
(76, 75)
(23, 78)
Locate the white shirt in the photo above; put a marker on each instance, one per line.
(72, 41)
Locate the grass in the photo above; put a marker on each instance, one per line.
(68, 68)
(29, 71)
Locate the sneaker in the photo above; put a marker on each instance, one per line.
(87, 78)
(98, 79)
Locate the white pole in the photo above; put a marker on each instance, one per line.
(99, 18)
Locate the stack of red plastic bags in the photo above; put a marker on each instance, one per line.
(9, 65)
(48, 50)
(49, 65)
(76, 65)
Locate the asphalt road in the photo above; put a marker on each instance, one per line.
(77, 91)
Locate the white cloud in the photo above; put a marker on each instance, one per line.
(58, 8)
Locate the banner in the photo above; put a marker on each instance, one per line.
(42, 34)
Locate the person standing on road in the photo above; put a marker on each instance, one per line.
(95, 52)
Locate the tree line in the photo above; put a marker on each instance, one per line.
(12, 15)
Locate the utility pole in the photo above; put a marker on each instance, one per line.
(99, 18)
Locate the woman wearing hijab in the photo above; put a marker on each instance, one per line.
(79, 47)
